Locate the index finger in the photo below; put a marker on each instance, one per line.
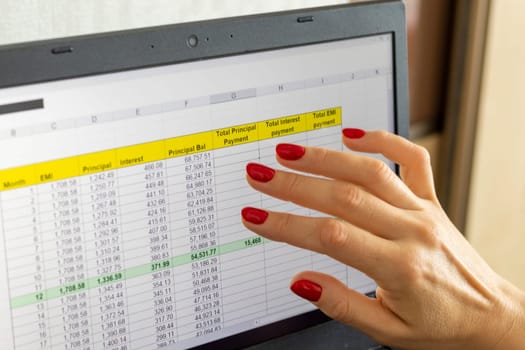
(414, 160)
(374, 175)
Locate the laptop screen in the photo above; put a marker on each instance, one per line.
(120, 193)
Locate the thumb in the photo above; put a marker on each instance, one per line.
(348, 306)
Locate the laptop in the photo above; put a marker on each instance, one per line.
(122, 173)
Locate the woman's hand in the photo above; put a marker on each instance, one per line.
(434, 291)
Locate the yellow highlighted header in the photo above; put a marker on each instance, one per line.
(189, 144)
(323, 119)
(282, 126)
(140, 154)
(97, 162)
(56, 170)
(112, 159)
(17, 177)
(235, 135)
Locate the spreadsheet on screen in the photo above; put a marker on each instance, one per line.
(120, 199)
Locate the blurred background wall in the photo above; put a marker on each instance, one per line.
(26, 20)
(496, 210)
(467, 93)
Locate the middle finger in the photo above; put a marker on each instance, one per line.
(338, 198)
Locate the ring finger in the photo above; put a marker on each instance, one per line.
(338, 239)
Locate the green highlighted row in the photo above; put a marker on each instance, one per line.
(136, 271)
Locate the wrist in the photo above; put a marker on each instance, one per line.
(512, 336)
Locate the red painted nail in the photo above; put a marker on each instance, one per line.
(260, 172)
(254, 215)
(354, 133)
(289, 151)
(307, 290)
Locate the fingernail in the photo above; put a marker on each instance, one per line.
(352, 133)
(260, 172)
(289, 151)
(307, 290)
(254, 215)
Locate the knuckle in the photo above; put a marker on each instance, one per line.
(383, 134)
(410, 274)
(348, 195)
(407, 260)
(292, 186)
(427, 231)
(381, 170)
(284, 225)
(415, 269)
(421, 154)
(332, 234)
(321, 159)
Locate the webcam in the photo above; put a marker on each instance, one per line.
(192, 41)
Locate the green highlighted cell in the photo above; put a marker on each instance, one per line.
(136, 271)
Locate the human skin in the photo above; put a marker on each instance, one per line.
(434, 290)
